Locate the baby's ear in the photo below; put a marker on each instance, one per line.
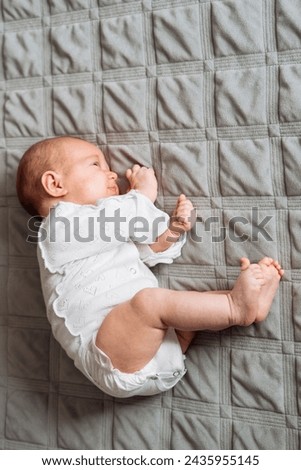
(53, 184)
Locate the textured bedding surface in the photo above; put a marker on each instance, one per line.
(208, 92)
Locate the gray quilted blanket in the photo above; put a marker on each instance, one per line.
(208, 93)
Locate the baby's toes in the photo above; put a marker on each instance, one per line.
(266, 261)
(279, 268)
(244, 263)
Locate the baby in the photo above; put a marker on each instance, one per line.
(127, 335)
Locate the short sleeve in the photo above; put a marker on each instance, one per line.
(151, 258)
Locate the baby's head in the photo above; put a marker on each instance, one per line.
(63, 169)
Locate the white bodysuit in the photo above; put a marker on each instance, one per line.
(92, 258)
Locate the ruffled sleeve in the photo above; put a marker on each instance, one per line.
(150, 258)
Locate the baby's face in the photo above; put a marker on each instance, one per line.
(87, 176)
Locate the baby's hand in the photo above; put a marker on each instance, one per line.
(184, 215)
(143, 179)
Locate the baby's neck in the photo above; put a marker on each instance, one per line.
(46, 205)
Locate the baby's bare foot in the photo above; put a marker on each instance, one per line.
(245, 295)
(272, 273)
(279, 268)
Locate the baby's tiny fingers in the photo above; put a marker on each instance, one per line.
(181, 198)
(185, 206)
(136, 168)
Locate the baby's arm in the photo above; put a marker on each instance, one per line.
(182, 220)
(143, 180)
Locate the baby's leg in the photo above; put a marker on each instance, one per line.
(133, 331)
(186, 337)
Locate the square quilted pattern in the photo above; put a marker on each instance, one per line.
(207, 92)
(122, 421)
(19, 122)
(255, 177)
(33, 341)
(174, 159)
(240, 98)
(129, 52)
(21, 9)
(30, 46)
(67, 43)
(177, 34)
(289, 96)
(208, 436)
(288, 24)
(237, 27)
(72, 109)
(27, 416)
(124, 106)
(72, 409)
(248, 384)
(62, 6)
(180, 102)
(291, 147)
